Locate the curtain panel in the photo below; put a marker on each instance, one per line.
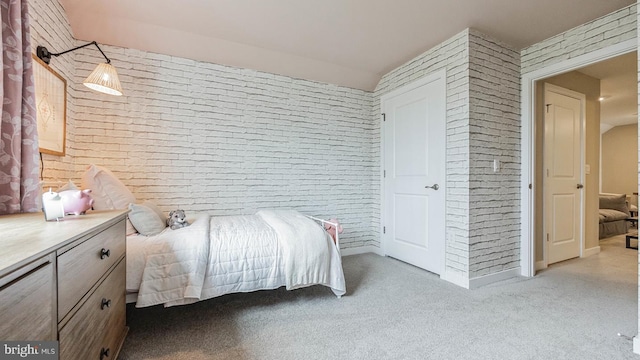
(19, 165)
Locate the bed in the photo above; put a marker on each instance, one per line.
(217, 255)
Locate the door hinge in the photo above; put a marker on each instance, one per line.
(384, 117)
(530, 186)
(547, 237)
(384, 173)
(548, 106)
(384, 229)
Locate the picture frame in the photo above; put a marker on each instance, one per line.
(51, 108)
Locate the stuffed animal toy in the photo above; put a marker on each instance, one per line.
(332, 229)
(177, 219)
(76, 201)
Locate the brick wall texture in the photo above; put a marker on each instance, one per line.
(224, 140)
(482, 207)
(217, 139)
(453, 56)
(494, 134)
(50, 28)
(600, 33)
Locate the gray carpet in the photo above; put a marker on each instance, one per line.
(573, 310)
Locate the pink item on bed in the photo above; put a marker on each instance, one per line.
(331, 229)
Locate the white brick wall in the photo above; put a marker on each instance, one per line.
(222, 140)
(452, 55)
(225, 141)
(50, 28)
(482, 207)
(600, 33)
(494, 134)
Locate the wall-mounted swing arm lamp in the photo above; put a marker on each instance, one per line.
(103, 79)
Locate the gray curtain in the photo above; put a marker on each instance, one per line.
(19, 166)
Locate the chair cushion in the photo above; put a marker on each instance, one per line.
(614, 202)
(608, 215)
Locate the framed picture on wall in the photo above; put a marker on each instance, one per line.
(51, 108)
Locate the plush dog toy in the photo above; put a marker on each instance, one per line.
(332, 229)
(177, 219)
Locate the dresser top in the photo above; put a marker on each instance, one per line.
(27, 237)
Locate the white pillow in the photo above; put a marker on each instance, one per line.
(145, 220)
(68, 186)
(107, 191)
(157, 210)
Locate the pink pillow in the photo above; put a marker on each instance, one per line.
(107, 191)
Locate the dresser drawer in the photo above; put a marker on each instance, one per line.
(80, 267)
(95, 327)
(27, 303)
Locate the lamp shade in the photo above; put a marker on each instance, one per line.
(104, 79)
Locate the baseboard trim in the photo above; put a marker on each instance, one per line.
(541, 265)
(492, 278)
(455, 278)
(361, 250)
(591, 251)
(131, 297)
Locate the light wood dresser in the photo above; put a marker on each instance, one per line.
(65, 281)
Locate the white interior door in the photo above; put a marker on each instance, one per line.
(414, 166)
(563, 200)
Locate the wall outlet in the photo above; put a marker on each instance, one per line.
(496, 165)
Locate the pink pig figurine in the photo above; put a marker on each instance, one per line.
(76, 201)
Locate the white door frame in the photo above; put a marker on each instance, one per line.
(429, 78)
(527, 240)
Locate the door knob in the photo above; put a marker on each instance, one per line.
(580, 186)
(434, 187)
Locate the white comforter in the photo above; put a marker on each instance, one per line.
(220, 255)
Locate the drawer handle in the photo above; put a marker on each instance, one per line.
(105, 303)
(105, 253)
(104, 353)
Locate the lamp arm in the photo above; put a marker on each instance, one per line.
(103, 79)
(82, 46)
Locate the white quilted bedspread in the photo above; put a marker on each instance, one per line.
(220, 255)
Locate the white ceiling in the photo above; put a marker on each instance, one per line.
(619, 87)
(345, 42)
